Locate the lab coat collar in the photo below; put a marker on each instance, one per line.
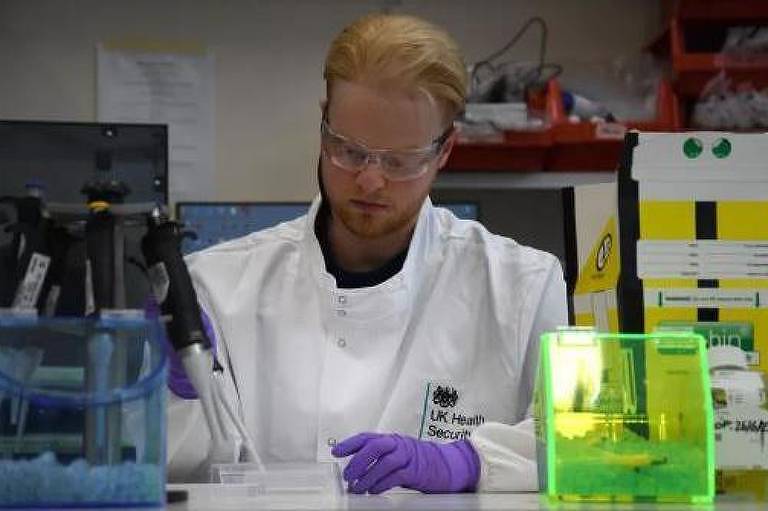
(419, 252)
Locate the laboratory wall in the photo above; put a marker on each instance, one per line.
(268, 60)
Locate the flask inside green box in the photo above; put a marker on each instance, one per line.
(624, 417)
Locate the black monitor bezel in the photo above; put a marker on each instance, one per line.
(104, 126)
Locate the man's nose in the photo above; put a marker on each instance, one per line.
(372, 177)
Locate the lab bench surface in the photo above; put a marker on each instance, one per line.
(203, 497)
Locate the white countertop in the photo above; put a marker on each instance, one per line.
(204, 497)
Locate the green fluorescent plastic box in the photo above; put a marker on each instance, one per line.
(624, 417)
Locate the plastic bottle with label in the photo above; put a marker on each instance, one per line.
(741, 424)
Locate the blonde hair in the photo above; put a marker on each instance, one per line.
(402, 49)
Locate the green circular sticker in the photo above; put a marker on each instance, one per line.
(693, 147)
(721, 148)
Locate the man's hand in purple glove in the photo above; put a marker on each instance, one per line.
(177, 376)
(383, 461)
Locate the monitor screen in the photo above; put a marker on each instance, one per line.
(463, 210)
(538, 217)
(533, 217)
(62, 157)
(214, 222)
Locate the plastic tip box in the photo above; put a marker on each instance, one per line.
(624, 417)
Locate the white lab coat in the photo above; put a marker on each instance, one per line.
(445, 349)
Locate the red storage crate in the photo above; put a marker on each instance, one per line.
(693, 19)
(589, 146)
(520, 151)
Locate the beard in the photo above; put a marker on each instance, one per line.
(366, 225)
(369, 226)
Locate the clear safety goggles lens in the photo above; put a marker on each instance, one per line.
(396, 165)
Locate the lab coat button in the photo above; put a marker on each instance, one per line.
(331, 442)
(341, 342)
(341, 312)
(342, 299)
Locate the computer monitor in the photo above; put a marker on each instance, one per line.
(531, 216)
(538, 217)
(463, 210)
(63, 156)
(214, 222)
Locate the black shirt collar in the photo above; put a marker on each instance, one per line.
(350, 279)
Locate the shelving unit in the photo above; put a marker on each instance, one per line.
(692, 42)
(694, 63)
(587, 145)
(563, 145)
(519, 152)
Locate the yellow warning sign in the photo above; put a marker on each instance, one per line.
(601, 269)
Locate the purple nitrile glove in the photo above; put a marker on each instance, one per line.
(383, 461)
(177, 377)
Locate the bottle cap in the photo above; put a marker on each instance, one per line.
(726, 356)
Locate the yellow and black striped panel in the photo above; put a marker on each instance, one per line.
(721, 220)
(742, 221)
(667, 220)
(746, 221)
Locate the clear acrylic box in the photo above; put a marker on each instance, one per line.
(82, 412)
(248, 480)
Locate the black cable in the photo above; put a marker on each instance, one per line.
(537, 74)
(518, 35)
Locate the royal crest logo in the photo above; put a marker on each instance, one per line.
(445, 397)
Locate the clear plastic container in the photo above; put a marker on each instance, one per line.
(82, 412)
(249, 480)
(624, 417)
(276, 486)
(741, 422)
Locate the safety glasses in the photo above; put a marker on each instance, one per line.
(397, 165)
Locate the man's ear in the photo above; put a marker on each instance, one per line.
(445, 151)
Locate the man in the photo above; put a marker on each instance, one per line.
(378, 326)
